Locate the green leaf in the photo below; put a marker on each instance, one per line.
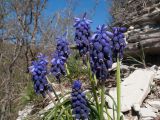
(57, 110)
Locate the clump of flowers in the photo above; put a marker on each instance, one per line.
(118, 41)
(101, 54)
(39, 72)
(100, 49)
(82, 34)
(60, 57)
(79, 102)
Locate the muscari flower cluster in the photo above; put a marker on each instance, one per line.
(100, 52)
(60, 57)
(82, 34)
(39, 72)
(118, 41)
(79, 102)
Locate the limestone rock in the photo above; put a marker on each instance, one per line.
(143, 28)
(114, 65)
(131, 117)
(112, 114)
(157, 76)
(25, 112)
(134, 89)
(136, 107)
(147, 114)
(150, 107)
(154, 68)
(124, 68)
(110, 101)
(49, 106)
(154, 103)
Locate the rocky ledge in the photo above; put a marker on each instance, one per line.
(143, 20)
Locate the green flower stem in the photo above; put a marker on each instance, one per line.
(93, 86)
(49, 94)
(73, 47)
(68, 73)
(53, 89)
(102, 101)
(95, 79)
(118, 80)
(108, 115)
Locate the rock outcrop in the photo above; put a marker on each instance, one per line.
(142, 17)
(135, 89)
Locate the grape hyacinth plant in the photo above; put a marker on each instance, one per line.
(60, 57)
(118, 42)
(100, 53)
(39, 72)
(118, 46)
(82, 35)
(100, 48)
(79, 102)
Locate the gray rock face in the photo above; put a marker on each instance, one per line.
(136, 107)
(154, 68)
(154, 103)
(142, 18)
(134, 89)
(112, 114)
(157, 76)
(151, 108)
(147, 114)
(25, 112)
(48, 107)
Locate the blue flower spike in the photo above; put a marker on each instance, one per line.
(60, 57)
(82, 34)
(38, 69)
(79, 102)
(101, 55)
(118, 42)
